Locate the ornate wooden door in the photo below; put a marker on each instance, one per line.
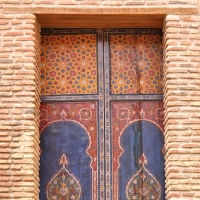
(101, 114)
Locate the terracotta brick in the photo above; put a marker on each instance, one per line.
(17, 156)
(113, 3)
(190, 18)
(4, 22)
(89, 3)
(172, 18)
(25, 60)
(24, 50)
(25, 16)
(47, 2)
(173, 194)
(14, 179)
(178, 25)
(25, 39)
(156, 3)
(186, 42)
(180, 2)
(4, 56)
(14, 77)
(11, 1)
(13, 44)
(5, 89)
(15, 134)
(6, 190)
(196, 42)
(193, 25)
(15, 145)
(5, 50)
(175, 48)
(67, 2)
(16, 21)
(5, 27)
(5, 167)
(24, 27)
(27, 1)
(25, 94)
(135, 2)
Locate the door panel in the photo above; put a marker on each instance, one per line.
(101, 114)
(74, 110)
(137, 146)
(69, 64)
(133, 88)
(69, 130)
(135, 61)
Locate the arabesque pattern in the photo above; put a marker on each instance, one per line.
(63, 185)
(143, 185)
(69, 64)
(136, 63)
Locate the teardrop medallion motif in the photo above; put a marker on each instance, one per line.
(63, 185)
(143, 185)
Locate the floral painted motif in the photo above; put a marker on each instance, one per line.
(63, 185)
(143, 185)
(69, 64)
(136, 64)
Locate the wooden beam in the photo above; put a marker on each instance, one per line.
(100, 21)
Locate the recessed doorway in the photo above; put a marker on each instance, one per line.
(102, 114)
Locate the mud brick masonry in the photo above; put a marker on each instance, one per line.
(20, 25)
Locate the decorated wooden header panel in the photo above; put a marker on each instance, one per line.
(136, 63)
(69, 64)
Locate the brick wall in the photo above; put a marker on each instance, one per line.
(19, 97)
(19, 106)
(182, 105)
(101, 2)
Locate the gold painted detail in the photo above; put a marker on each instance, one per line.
(143, 185)
(63, 185)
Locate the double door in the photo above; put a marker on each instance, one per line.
(101, 125)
